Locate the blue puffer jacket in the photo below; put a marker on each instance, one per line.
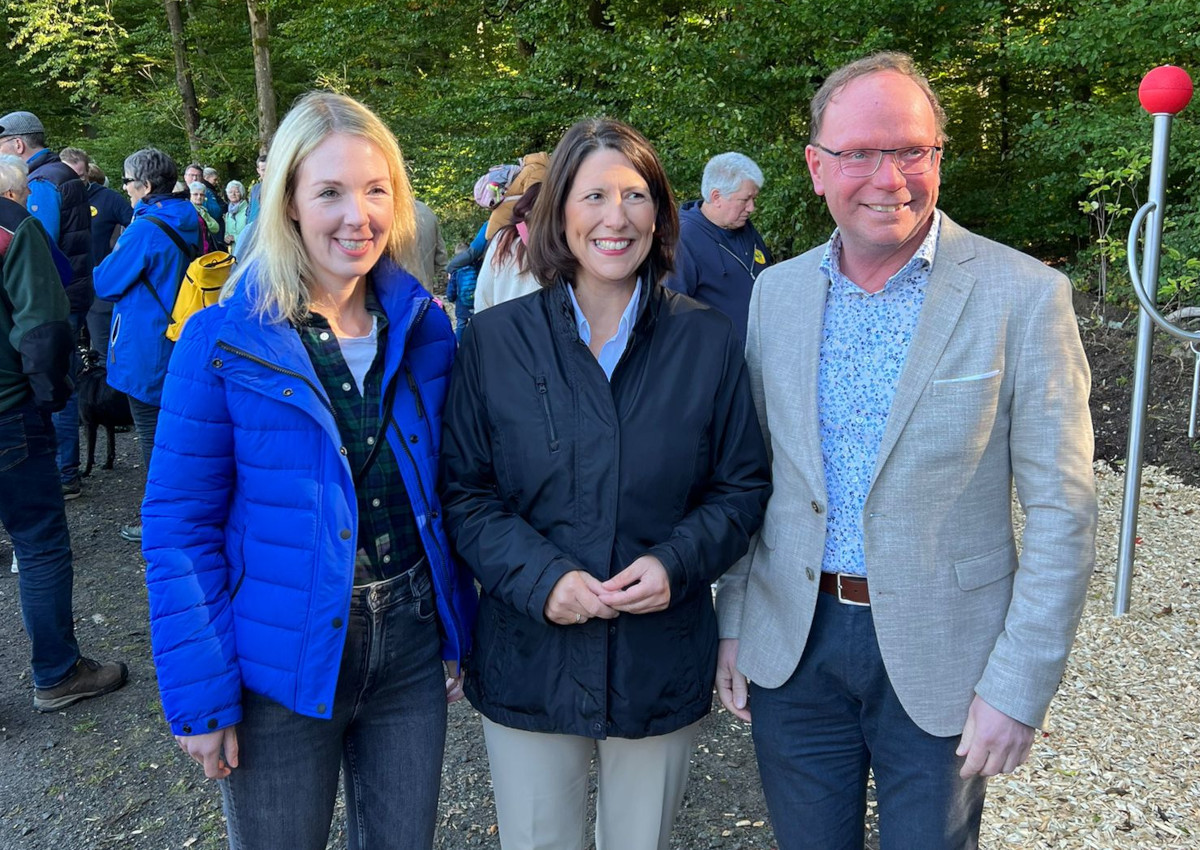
(138, 349)
(250, 511)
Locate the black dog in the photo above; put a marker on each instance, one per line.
(100, 405)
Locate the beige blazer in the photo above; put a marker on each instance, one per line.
(994, 392)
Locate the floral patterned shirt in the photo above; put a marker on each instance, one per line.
(864, 346)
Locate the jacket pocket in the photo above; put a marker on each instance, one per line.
(982, 570)
(544, 395)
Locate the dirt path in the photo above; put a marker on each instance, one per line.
(105, 773)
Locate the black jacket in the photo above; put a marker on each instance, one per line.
(548, 468)
(74, 222)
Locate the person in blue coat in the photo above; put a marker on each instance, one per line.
(142, 276)
(302, 591)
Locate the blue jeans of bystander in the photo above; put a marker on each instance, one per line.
(66, 421)
(387, 733)
(32, 510)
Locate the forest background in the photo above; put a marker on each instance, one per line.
(1049, 149)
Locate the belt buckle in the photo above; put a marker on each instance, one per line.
(843, 599)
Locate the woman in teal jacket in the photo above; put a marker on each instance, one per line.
(302, 592)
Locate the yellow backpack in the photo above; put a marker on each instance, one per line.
(201, 283)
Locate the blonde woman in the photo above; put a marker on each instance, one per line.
(301, 590)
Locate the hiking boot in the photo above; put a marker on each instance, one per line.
(90, 679)
(132, 533)
(71, 490)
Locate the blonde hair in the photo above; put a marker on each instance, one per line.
(282, 274)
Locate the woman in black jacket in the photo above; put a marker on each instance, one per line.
(602, 465)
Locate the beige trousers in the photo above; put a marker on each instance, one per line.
(541, 785)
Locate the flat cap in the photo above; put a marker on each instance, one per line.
(20, 124)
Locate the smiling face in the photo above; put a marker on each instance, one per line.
(883, 218)
(608, 216)
(731, 211)
(343, 206)
(235, 194)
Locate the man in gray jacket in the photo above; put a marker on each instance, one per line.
(907, 374)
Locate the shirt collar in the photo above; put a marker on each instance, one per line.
(921, 260)
(623, 326)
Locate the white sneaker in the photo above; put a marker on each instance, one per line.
(14, 563)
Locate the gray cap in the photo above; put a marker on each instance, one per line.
(20, 124)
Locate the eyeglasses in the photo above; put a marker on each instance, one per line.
(125, 181)
(863, 162)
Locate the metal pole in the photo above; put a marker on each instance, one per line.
(1151, 255)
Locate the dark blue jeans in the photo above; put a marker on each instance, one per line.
(387, 733)
(31, 508)
(462, 315)
(145, 423)
(66, 421)
(837, 718)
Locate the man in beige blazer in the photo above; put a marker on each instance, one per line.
(907, 375)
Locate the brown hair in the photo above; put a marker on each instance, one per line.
(548, 255)
(899, 63)
(506, 239)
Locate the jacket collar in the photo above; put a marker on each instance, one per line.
(649, 302)
(403, 300)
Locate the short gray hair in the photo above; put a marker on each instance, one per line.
(897, 63)
(14, 174)
(238, 183)
(196, 186)
(210, 173)
(153, 168)
(725, 173)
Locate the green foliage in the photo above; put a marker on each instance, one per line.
(1041, 96)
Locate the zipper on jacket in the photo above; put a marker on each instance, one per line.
(540, 381)
(412, 385)
(447, 563)
(282, 371)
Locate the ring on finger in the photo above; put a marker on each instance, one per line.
(578, 619)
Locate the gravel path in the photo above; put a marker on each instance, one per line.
(1119, 768)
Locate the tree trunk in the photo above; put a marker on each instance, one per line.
(183, 77)
(264, 83)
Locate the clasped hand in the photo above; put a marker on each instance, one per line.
(641, 588)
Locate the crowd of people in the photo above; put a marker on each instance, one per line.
(356, 513)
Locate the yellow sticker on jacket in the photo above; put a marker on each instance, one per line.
(759, 257)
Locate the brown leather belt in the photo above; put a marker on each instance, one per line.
(851, 590)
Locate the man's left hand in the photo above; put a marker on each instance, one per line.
(992, 742)
(641, 588)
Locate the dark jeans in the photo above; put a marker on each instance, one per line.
(462, 315)
(387, 733)
(837, 717)
(145, 424)
(99, 325)
(31, 508)
(66, 421)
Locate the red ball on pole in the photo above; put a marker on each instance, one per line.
(1166, 89)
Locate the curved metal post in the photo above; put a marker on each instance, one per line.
(1146, 288)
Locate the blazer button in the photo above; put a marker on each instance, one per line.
(217, 364)
(816, 506)
(187, 729)
(337, 622)
(344, 534)
(287, 392)
(321, 708)
(212, 724)
(412, 438)
(343, 451)
(808, 573)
